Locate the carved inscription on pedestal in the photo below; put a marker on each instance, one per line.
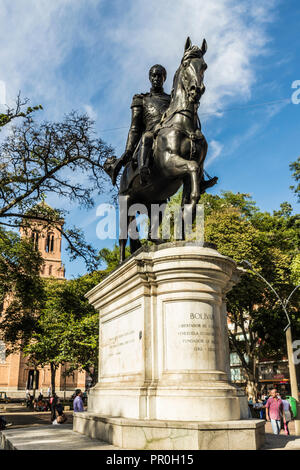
(121, 344)
(189, 336)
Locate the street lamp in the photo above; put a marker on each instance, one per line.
(288, 335)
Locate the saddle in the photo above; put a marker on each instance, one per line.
(131, 171)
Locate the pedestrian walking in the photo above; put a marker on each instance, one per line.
(287, 412)
(262, 411)
(274, 411)
(78, 403)
(49, 392)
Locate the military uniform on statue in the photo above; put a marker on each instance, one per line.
(147, 110)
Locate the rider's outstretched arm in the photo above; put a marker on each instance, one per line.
(136, 126)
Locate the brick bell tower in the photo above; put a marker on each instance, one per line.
(16, 375)
(48, 241)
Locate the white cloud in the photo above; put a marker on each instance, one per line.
(214, 151)
(90, 111)
(150, 32)
(120, 43)
(93, 55)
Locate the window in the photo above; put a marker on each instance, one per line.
(35, 239)
(237, 374)
(234, 359)
(49, 247)
(50, 270)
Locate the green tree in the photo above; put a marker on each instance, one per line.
(67, 328)
(39, 158)
(295, 167)
(111, 258)
(270, 243)
(18, 111)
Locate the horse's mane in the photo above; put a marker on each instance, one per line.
(192, 52)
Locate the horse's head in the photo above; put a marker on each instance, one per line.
(192, 70)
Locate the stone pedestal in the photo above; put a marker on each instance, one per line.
(164, 353)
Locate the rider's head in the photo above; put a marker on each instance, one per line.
(157, 76)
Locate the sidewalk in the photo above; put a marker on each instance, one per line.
(49, 438)
(33, 431)
(281, 442)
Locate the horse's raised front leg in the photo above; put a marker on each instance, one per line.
(177, 167)
(189, 171)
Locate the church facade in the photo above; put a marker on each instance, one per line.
(15, 374)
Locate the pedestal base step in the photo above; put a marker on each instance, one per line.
(172, 435)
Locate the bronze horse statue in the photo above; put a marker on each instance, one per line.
(179, 148)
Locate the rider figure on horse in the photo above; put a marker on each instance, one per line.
(147, 110)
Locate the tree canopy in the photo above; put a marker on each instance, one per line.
(295, 167)
(37, 158)
(270, 242)
(66, 330)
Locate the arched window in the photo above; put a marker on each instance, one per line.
(49, 246)
(35, 239)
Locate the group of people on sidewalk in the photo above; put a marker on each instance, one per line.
(57, 412)
(276, 409)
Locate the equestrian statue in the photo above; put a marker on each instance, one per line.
(165, 147)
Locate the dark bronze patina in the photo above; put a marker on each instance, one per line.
(165, 147)
(146, 112)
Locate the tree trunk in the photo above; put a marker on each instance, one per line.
(93, 374)
(252, 380)
(53, 373)
(251, 389)
(34, 382)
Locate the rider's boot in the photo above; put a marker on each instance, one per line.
(116, 170)
(205, 184)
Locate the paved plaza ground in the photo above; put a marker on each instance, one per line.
(32, 431)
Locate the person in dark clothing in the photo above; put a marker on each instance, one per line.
(3, 423)
(59, 408)
(53, 404)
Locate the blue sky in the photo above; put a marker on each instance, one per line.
(93, 55)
